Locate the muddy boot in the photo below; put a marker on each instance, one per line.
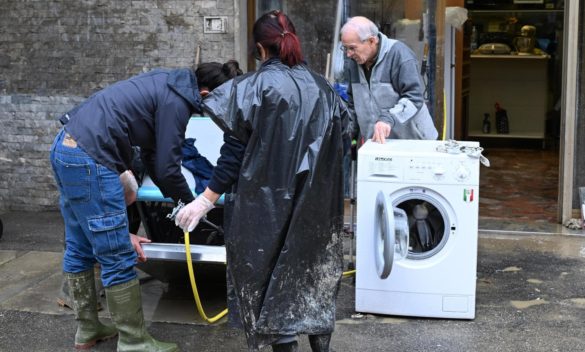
(84, 302)
(99, 286)
(63, 298)
(125, 306)
(320, 343)
(286, 347)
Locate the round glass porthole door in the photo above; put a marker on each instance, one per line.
(427, 221)
(391, 235)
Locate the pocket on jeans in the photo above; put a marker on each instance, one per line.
(75, 180)
(109, 183)
(110, 234)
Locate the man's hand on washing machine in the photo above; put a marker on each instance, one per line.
(189, 216)
(381, 132)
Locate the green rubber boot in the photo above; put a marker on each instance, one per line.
(64, 298)
(84, 299)
(125, 306)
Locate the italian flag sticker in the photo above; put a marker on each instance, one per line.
(468, 195)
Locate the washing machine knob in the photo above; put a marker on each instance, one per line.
(462, 173)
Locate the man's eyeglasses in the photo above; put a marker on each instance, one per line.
(347, 49)
(351, 48)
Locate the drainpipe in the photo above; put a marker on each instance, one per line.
(336, 54)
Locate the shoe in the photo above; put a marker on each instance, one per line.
(286, 347)
(83, 298)
(125, 306)
(320, 343)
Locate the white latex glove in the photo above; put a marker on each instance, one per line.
(381, 132)
(189, 216)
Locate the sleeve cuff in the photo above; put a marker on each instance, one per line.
(216, 187)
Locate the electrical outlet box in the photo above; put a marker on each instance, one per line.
(215, 24)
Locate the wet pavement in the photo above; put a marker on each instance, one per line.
(530, 297)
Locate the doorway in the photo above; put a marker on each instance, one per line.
(514, 108)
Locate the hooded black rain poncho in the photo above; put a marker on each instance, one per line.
(284, 216)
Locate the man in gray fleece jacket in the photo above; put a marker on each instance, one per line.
(385, 89)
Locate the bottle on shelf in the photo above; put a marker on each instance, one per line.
(474, 39)
(502, 122)
(487, 125)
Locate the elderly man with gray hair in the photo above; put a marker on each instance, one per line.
(385, 89)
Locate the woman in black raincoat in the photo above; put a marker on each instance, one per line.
(283, 157)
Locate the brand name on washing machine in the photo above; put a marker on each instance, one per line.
(382, 158)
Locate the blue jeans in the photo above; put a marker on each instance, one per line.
(94, 211)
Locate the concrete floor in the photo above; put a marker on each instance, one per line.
(530, 297)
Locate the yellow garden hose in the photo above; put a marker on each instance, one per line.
(196, 292)
(444, 114)
(194, 286)
(349, 273)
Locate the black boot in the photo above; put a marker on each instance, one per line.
(286, 347)
(320, 343)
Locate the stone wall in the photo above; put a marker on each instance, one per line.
(55, 53)
(28, 128)
(314, 22)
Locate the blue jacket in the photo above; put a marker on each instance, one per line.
(150, 111)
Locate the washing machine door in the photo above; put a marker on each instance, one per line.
(391, 235)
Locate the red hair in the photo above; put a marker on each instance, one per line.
(277, 34)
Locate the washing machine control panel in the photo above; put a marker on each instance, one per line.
(421, 169)
(426, 169)
(437, 170)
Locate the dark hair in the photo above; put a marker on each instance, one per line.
(277, 34)
(214, 74)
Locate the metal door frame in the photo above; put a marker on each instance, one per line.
(569, 108)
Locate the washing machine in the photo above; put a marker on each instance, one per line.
(417, 228)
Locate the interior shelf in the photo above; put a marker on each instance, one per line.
(521, 135)
(518, 11)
